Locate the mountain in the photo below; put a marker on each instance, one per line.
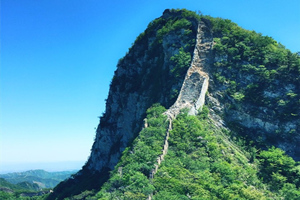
(20, 190)
(10, 187)
(41, 178)
(199, 108)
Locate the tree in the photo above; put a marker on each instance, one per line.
(181, 62)
(276, 167)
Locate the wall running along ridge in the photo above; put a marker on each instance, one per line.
(195, 85)
(194, 88)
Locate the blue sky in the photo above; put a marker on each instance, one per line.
(58, 58)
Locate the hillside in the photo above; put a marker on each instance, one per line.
(21, 190)
(42, 178)
(32, 184)
(199, 108)
(10, 187)
(202, 163)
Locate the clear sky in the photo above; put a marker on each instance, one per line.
(58, 58)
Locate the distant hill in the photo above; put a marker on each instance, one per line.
(20, 190)
(10, 187)
(40, 178)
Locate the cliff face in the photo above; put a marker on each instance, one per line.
(260, 123)
(181, 61)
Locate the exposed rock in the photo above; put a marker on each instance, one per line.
(195, 85)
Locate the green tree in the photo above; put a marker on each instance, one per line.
(181, 62)
(276, 167)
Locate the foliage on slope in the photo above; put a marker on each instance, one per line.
(247, 53)
(20, 186)
(174, 33)
(20, 191)
(43, 178)
(29, 184)
(130, 179)
(260, 77)
(202, 163)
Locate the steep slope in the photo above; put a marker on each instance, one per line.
(200, 161)
(142, 78)
(252, 88)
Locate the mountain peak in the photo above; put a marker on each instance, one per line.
(182, 61)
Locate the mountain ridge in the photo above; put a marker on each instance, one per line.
(40, 177)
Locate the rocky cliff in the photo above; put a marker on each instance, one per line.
(179, 61)
(143, 77)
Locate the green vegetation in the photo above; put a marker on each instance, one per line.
(279, 170)
(20, 186)
(249, 63)
(173, 33)
(203, 160)
(42, 178)
(33, 184)
(258, 77)
(147, 71)
(202, 163)
(20, 191)
(130, 179)
(181, 62)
